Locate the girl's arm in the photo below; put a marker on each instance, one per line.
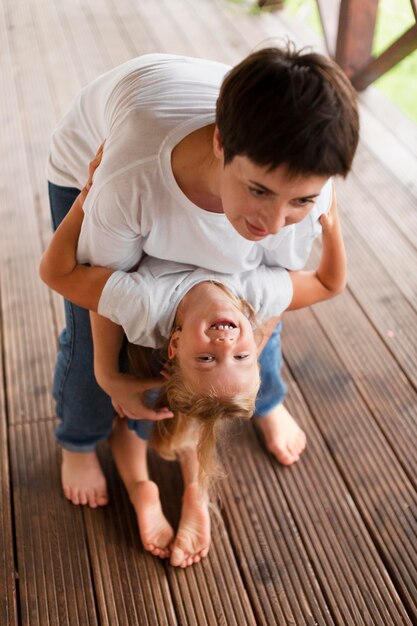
(125, 390)
(59, 269)
(329, 279)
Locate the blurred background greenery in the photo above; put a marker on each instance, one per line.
(394, 17)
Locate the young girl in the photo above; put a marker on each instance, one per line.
(212, 359)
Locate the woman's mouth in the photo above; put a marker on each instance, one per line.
(254, 230)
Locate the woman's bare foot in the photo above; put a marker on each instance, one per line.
(192, 541)
(82, 478)
(283, 436)
(155, 531)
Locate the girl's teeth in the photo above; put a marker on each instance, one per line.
(221, 326)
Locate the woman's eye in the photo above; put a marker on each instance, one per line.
(240, 357)
(205, 358)
(257, 193)
(303, 202)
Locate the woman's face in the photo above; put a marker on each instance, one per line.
(216, 346)
(259, 202)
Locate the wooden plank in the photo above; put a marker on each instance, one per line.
(211, 592)
(376, 373)
(394, 200)
(54, 574)
(393, 121)
(134, 28)
(107, 32)
(218, 38)
(380, 298)
(380, 488)
(161, 28)
(43, 100)
(329, 16)
(89, 60)
(394, 154)
(355, 34)
(276, 570)
(131, 585)
(388, 245)
(401, 48)
(8, 568)
(28, 342)
(313, 533)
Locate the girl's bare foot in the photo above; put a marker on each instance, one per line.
(192, 541)
(155, 531)
(283, 436)
(82, 478)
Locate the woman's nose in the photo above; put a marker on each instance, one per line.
(276, 220)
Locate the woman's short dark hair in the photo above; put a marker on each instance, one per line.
(283, 106)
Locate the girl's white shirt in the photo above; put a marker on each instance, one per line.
(144, 302)
(143, 109)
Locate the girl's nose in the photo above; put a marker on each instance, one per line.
(225, 339)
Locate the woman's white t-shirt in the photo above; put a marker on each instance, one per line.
(143, 109)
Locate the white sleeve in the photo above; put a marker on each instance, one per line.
(110, 234)
(293, 250)
(277, 292)
(125, 300)
(269, 290)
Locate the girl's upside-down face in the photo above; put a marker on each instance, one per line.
(215, 346)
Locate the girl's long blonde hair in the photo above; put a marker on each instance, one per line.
(198, 416)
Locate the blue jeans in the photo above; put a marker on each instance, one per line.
(84, 410)
(273, 389)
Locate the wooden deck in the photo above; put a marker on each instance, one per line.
(329, 541)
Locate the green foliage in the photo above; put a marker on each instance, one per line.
(394, 18)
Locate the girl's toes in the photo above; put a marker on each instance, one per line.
(92, 500)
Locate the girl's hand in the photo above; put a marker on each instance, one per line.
(93, 165)
(328, 220)
(126, 392)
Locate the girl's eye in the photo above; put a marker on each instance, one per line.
(257, 193)
(240, 357)
(205, 358)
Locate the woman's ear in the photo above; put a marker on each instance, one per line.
(217, 144)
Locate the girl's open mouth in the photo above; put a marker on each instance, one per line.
(223, 324)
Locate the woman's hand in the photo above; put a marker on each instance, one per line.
(126, 392)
